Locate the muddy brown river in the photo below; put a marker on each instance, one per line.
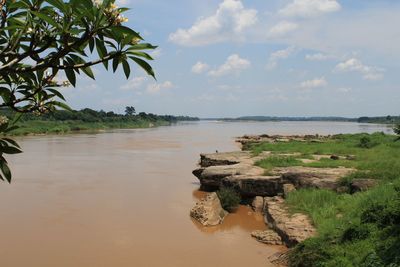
(122, 198)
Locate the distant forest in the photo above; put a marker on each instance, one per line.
(382, 119)
(90, 115)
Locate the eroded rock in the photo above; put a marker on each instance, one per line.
(292, 228)
(258, 204)
(287, 188)
(209, 211)
(267, 237)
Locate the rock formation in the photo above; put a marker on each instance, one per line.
(209, 211)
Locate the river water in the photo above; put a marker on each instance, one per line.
(122, 198)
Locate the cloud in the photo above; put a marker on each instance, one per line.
(309, 8)
(355, 65)
(134, 83)
(282, 28)
(315, 83)
(156, 88)
(276, 56)
(233, 64)
(319, 57)
(200, 67)
(227, 24)
(344, 89)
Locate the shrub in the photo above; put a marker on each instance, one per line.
(229, 198)
(366, 142)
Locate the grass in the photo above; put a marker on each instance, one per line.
(362, 229)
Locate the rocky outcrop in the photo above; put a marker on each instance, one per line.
(306, 177)
(267, 237)
(250, 181)
(359, 185)
(208, 211)
(292, 228)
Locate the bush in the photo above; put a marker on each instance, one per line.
(229, 198)
(366, 142)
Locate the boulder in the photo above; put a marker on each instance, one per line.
(292, 228)
(267, 237)
(359, 185)
(258, 204)
(208, 211)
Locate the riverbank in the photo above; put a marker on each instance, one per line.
(86, 120)
(330, 176)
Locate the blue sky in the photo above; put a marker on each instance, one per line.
(228, 58)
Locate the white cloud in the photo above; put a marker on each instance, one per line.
(134, 83)
(309, 8)
(355, 65)
(227, 24)
(314, 83)
(282, 28)
(275, 57)
(233, 64)
(319, 57)
(156, 88)
(200, 67)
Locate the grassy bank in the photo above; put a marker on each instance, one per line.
(87, 120)
(362, 229)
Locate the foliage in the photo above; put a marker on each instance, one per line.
(229, 198)
(129, 111)
(396, 130)
(64, 121)
(41, 39)
(366, 142)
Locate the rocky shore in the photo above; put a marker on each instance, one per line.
(267, 190)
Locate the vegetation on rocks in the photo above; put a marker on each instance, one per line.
(361, 229)
(229, 198)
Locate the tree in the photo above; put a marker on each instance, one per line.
(41, 39)
(129, 111)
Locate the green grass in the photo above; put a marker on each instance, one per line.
(362, 229)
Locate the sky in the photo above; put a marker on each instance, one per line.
(231, 58)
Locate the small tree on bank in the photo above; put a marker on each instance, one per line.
(396, 130)
(41, 39)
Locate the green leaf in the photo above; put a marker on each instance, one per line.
(57, 93)
(5, 170)
(141, 54)
(12, 142)
(58, 4)
(115, 64)
(88, 71)
(10, 150)
(142, 46)
(127, 68)
(144, 65)
(123, 30)
(46, 18)
(71, 76)
(61, 105)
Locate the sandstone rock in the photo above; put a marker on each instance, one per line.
(287, 188)
(267, 237)
(306, 177)
(293, 229)
(359, 185)
(252, 186)
(209, 211)
(258, 204)
(225, 158)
